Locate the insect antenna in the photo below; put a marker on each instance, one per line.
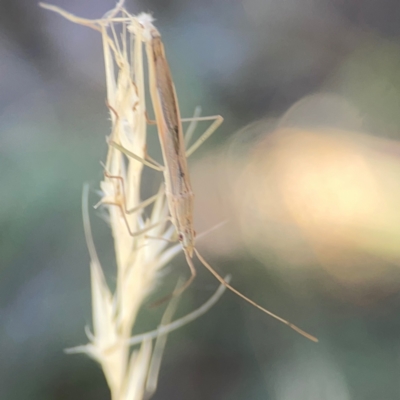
(232, 289)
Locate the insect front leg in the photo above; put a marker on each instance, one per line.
(149, 162)
(128, 153)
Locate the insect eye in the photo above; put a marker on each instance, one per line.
(180, 237)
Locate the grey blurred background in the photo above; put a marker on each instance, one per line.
(245, 60)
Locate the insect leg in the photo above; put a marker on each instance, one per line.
(123, 206)
(140, 206)
(148, 120)
(152, 164)
(182, 288)
(211, 129)
(192, 126)
(135, 156)
(135, 233)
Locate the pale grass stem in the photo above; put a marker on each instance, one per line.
(139, 258)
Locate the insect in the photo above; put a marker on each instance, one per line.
(178, 189)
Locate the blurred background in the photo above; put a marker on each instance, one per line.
(306, 167)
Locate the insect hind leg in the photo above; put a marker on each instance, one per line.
(182, 288)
